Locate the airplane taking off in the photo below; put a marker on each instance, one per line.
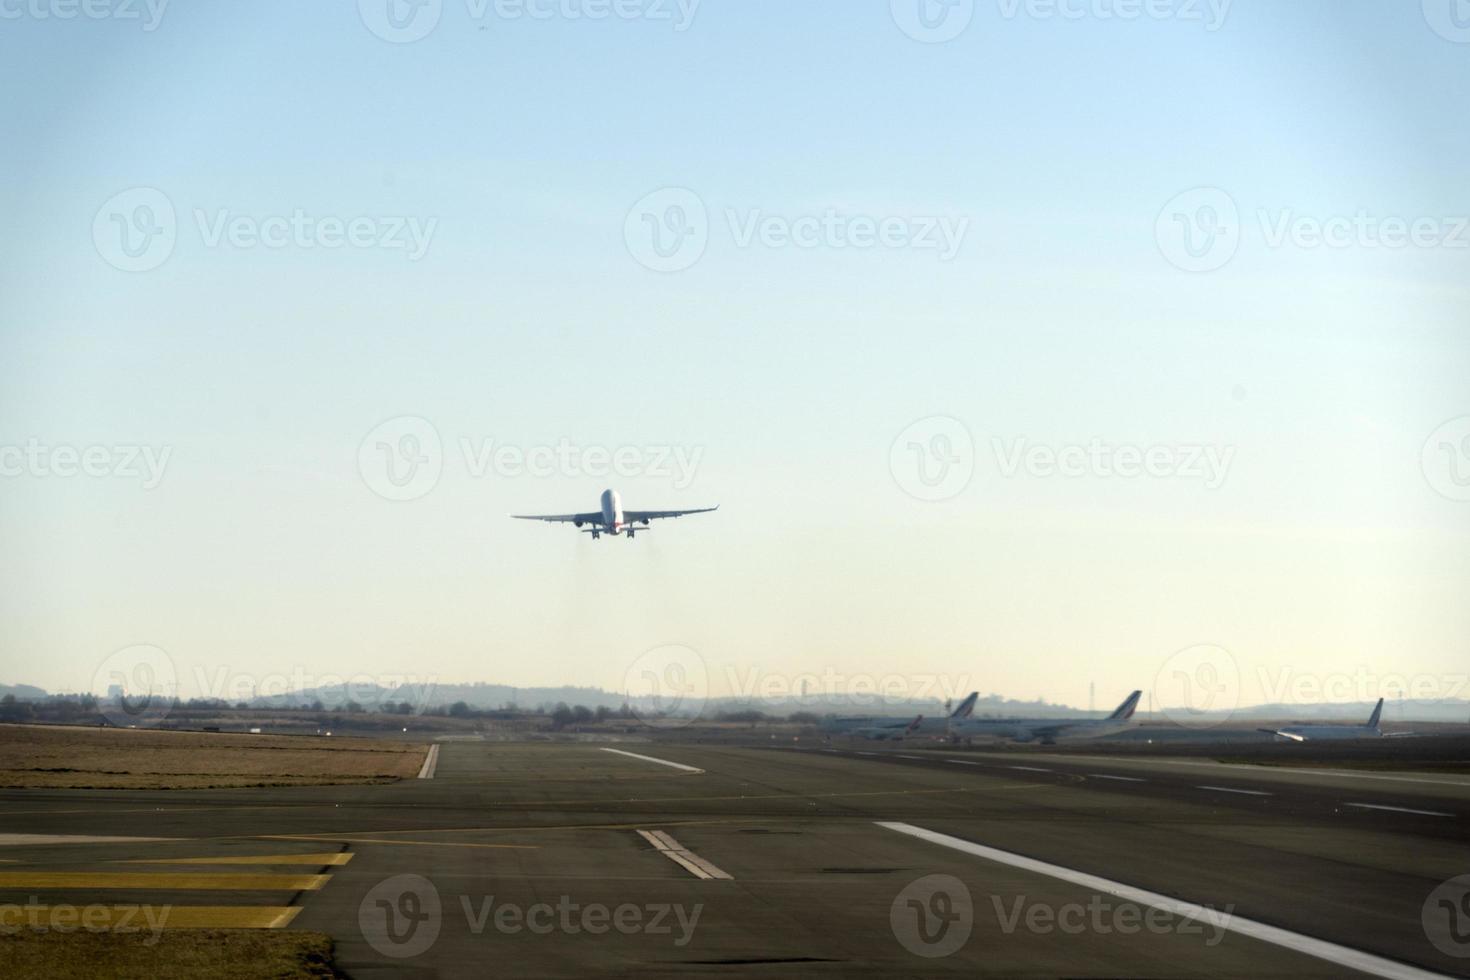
(1048, 730)
(1305, 733)
(612, 519)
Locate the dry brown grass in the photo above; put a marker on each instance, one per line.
(60, 757)
(235, 954)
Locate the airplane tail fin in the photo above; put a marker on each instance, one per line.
(1126, 709)
(1377, 714)
(966, 708)
(914, 725)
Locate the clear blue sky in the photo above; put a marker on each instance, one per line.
(528, 320)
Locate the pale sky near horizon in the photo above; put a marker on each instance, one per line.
(1002, 254)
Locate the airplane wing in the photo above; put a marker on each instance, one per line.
(560, 518)
(644, 516)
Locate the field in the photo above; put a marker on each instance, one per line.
(61, 757)
(234, 954)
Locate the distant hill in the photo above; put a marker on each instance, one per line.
(23, 692)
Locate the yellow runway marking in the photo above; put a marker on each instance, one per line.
(336, 858)
(137, 918)
(179, 881)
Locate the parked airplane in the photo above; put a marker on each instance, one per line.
(611, 518)
(1048, 730)
(1304, 733)
(881, 729)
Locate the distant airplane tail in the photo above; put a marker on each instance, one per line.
(966, 708)
(1377, 714)
(914, 725)
(1126, 709)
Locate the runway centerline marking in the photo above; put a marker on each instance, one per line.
(431, 762)
(1028, 769)
(649, 758)
(1399, 809)
(1242, 792)
(682, 856)
(1318, 948)
(1121, 779)
(961, 762)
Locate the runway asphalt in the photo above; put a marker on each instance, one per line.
(565, 859)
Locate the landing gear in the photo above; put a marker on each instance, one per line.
(631, 532)
(596, 535)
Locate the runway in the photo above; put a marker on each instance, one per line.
(670, 859)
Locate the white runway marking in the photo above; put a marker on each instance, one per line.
(1121, 779)
(866, 753)
(1242, 792)
(1321, 949)
(431, 762)
(682, 856)
(1028, 769)
(1263, 770)
(961, 762)
(1399, 809)
(649, 758)
(911, 758)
